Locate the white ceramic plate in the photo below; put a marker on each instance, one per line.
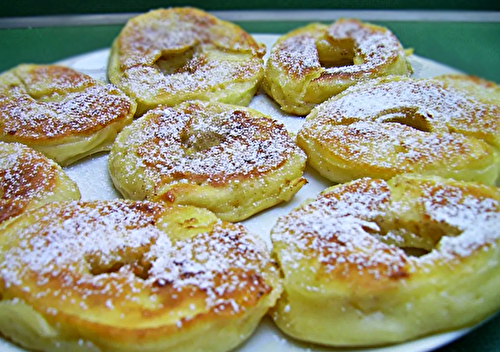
(92, 177)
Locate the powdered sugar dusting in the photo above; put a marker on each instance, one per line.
(147, 82)
(116, 251)
(57, 108)
(481, 236)
(164, 54)
(453, 206)
(396, 148)
(146, 37)
(345, 229)
(62, 236)
(201, 142)
(211, 261)
(297, 54)
(42, 81)
(335, 230)
(26, 177)
(471, 213)
(373, 47)
(406, 125)
(441, 108)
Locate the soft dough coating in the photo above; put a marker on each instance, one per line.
(447, 126)
(123, 276)
(375, 262)
(232, 160)
(168, 56)
(28, 180)
(310, 64)
(65, 114)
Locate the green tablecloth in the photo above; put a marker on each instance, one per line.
(11, 8)
(473, 47)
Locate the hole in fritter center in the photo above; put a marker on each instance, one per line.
(196, 141)
(187, 61)
(414, 252)
(340, 54)
(407, 117)
(140, 270)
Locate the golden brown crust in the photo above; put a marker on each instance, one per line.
(229, 159)
(374, 262)
(168, 56)
(50, 106)
(129, 276)
(446, 126)
(312, 63)
(28, 180)
(139, 42)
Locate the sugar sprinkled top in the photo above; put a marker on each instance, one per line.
(205, 142)
(453, 206)
(146, 37)
(298, 55)
(335, 230)
(406, 125)
(373, 48)
(376, 47)
(396, 148)
(26, 176)
(148, 82)
(44, 80)
(116, 250)
(470, 212)
(344, 228)
(202, 56)
(441, 108)
(38, 108)
(210, 261)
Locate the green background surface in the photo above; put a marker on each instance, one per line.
(469, 46)
(9, 8)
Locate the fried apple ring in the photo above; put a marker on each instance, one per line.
(375, 262)
(60, 112)
(168, 56)
(310, 64)
(448, 126)
(131, 276)
(28, 180)
(229, 159)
